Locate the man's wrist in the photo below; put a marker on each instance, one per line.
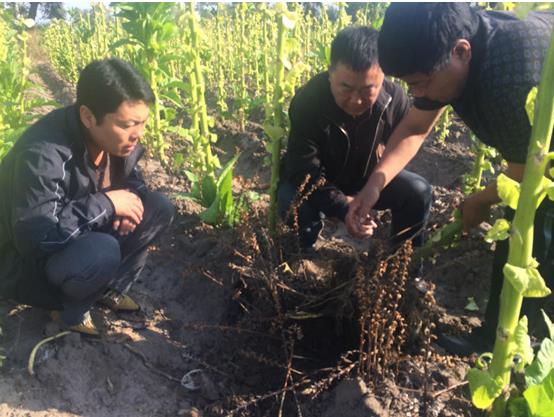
(375, 183)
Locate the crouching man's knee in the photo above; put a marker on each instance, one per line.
(85, 266)
(422, 195)
(163, 211)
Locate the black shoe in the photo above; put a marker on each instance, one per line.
(465, 345)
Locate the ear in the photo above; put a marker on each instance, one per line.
(87, 117)
(462, 50)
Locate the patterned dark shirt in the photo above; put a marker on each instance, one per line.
(507, 59)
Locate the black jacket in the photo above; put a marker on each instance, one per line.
(319, 143)
(507, 57)
(50, 196)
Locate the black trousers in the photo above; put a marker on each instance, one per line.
(408, 196)
(102, 260)
(543, 252)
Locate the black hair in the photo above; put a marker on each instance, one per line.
(104, 85)
(356, 47)
(419, 37)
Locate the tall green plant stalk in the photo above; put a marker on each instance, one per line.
(209, 165)
(278, 122)
(481, 163)
(220, 71)
(267, 71)
(242, 62)
(159, 144)
(521, 239)
(521, 276)
(442, 128)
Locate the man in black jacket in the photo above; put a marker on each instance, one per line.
(483, 63)
(76, 218)
(340, 123)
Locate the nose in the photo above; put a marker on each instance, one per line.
(138, 133)
(356, 98)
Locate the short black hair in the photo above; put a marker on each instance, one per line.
(355, 46)
(104, 85)
(419, 37)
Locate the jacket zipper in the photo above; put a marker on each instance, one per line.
(348, 146)
(376, 134)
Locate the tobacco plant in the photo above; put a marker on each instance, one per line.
(275, 128)
(149, 29)
(449, 234)
(16, 110)
(471, 182)
(490, 385)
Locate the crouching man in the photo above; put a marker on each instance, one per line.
(76, 218)
(341, 121)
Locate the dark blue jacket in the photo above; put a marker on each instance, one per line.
(49, 197)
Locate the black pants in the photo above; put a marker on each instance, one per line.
(408, 196)
(543, 251)
(100, 260)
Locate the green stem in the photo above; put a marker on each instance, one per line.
(157, 135)
(200, 99)
(521, 240)
(277, 121)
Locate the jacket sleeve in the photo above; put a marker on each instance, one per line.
(302, 151)
(331, 201)
(303, 158)
(135, 182)
(44, 217)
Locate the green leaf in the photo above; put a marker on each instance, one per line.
(518, 277)
(537, 287)
(517, 407)
(274, 132)
(487, 166)
(542, 365)
(184, 196)
(173, 97)
(521, 344)
(508, 190)
(192, 177)
(178, 161)
(550, 191)
(122, 42)
(500, 231)
(208, 189)
(526, 281)
(545, 185)
(484, 389)
(177, 84)
(549, 324)
(530, 104)
(540, 398)
(222, 206)
(471, 304)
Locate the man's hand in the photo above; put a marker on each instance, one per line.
(124, 226)
(358, 221)
(127, 205)
(474, 212)
(364, 229)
